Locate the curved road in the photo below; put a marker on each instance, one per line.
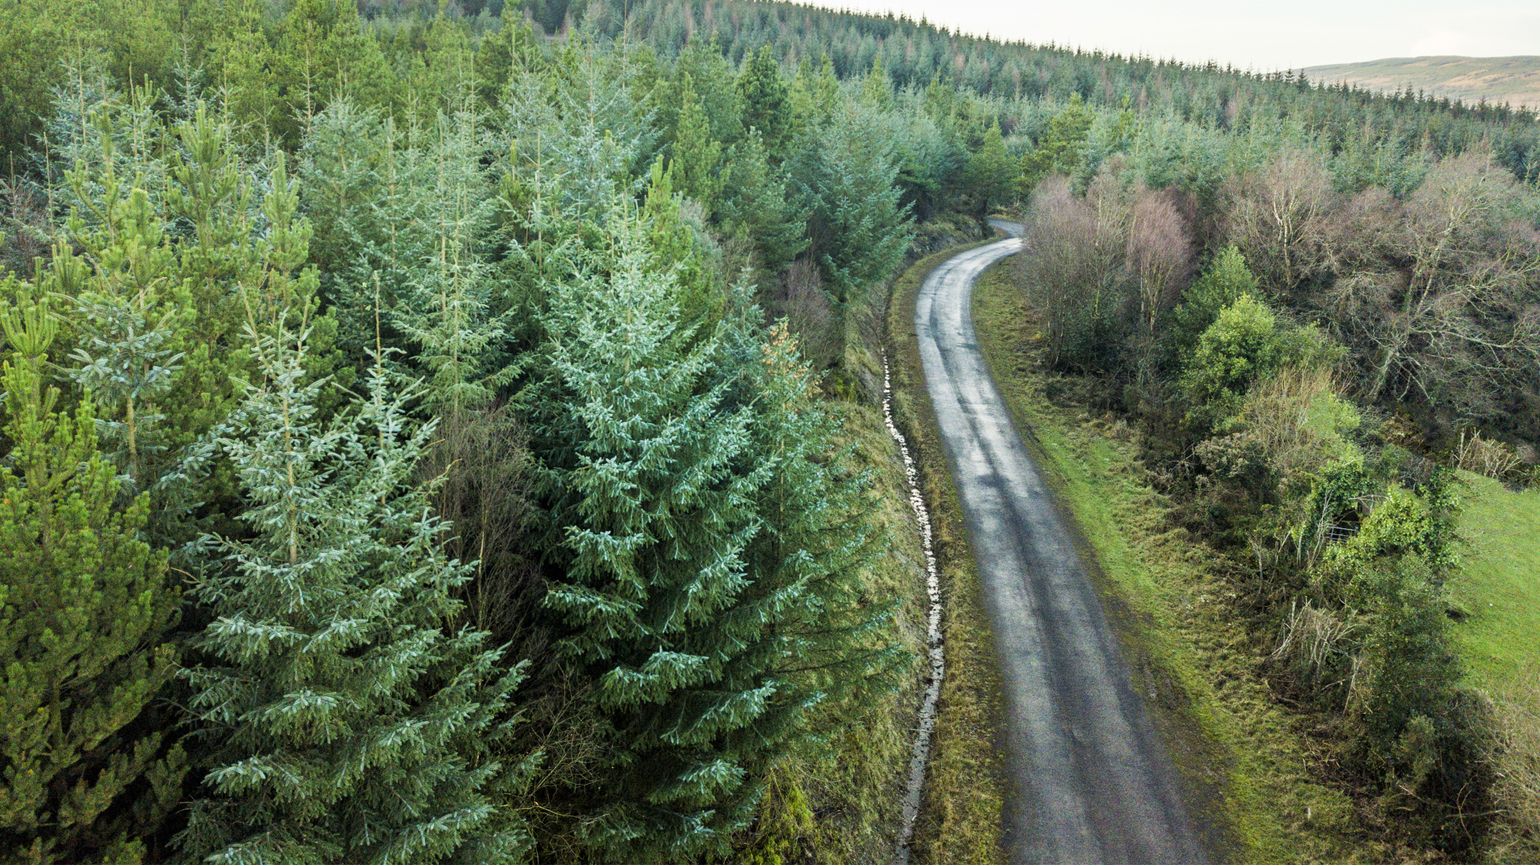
(1092, 781)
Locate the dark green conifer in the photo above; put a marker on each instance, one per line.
(766, 101)
(756, 204)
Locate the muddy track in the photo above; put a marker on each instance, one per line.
(1090, 779)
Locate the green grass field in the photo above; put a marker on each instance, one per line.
(1497, 591)
(1498, 587)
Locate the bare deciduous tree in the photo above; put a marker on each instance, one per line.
(1278, 216)
(1061, 229)
(1105, 265)
(1438, 296)
(1159, 255)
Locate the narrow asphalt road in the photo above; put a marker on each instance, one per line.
(1091, 779)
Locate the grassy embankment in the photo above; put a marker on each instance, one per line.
(853, 789)
(964, 793)
(845, 805)
(1246, 761)
(1496, 591)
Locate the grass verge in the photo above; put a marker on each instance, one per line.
(853, 787)
(1498, 580)
(960, 816)
(1246, 761)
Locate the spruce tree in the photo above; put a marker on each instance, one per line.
(683, 244)
(452, 310)
(756, 204)
(817, 542)
(344, 715)
(989, 173)
(766, 101)
(858, 226)
(85, 605)
(1061, 148)
(130, 316)
(707, 552)
(649, 488)
(449, 307)
(823, 641)
(578, 130)
(349, 190)
(696, 156)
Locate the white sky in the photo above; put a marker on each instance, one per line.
(1280, 34)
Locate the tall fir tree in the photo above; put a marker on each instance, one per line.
(990, 174)
(579, 130)
(453, 311)
(766, 101)
(858, 226)
(680, 241)
(649, 490)
(1062, 146)
(695, 158)
(707, 556)
(450, 308)
(321, 51)
(344, 715)
(756, 204)
(824, 644)
(85, 606)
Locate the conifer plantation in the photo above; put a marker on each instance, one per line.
(444, 432)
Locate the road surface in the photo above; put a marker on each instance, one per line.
(1091, 781)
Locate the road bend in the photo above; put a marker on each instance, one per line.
(1092, 782)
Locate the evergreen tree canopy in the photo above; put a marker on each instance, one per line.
(651, 495)
(85, 606)
(756, 203)
(695, 159)
(766, 104)
(348, 717)
(858, 227)
(1061, 148)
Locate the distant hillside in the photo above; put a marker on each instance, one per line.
(1514, 80)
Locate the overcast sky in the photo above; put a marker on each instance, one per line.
(1281, 34)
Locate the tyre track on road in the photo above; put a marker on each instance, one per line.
(1090, 780)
